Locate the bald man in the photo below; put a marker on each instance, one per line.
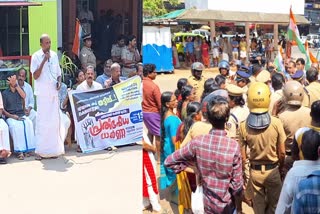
(47, 75)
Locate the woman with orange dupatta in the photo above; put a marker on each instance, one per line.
(184, 187)
(205, 53)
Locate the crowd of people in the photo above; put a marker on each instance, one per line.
(44, 131)
(248, 135)
(224, 47)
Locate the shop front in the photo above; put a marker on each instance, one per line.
(17, 28)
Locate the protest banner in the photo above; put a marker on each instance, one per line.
(108, 117)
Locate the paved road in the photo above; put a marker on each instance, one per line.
(97, 183)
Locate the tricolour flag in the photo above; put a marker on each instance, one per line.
(278, 61)
(308, 56)
(77, 41)
(293, 33)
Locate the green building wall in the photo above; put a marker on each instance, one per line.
(43, 19)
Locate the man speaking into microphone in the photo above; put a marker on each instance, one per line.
(47, 78)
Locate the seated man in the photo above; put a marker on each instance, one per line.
(115, 76)
(29, 100)
(20, 126)
(4, 137)
(89, 84)
(106, 72)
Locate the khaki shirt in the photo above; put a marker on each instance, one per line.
(116, 51)
(237, 115)
(263, 144)
(275, 96)
(252, 80)
(313, 90)
(198, 86)
(198, 128)
(87, 57)
(293, 119)
(128, 55)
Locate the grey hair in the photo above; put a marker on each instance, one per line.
(114, 66)
(44, 36)
(90, 67)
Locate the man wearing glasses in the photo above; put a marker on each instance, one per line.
(106, 72)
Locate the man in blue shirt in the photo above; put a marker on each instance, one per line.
(307, 199)
(235, 49)
(106, 73)
(189, 49)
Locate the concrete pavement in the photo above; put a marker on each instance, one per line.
(96, 183)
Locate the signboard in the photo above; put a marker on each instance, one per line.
(108, 117)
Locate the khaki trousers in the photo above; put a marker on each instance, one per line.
(266, 190)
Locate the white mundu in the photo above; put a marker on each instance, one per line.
(4, 131)
(47, 134)
(22, 134)
(4, 136)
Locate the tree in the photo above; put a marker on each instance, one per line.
(156, 7)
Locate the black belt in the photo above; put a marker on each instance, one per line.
(288, 153)
(266, 166)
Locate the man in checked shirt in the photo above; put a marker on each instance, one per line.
(218, 160)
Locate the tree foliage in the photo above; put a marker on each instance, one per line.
(156, 7)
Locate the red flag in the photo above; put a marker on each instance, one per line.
(1, 52)
(313, 59)
(77, 41)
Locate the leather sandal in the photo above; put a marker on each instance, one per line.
(20, 156)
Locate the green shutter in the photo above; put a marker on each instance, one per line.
(43, 19)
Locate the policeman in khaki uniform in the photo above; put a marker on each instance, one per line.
(265, 137)
(264, 76)
(238, 113)
(196, 80)
(116, 49)
(130, 56)
(242, 80)
(87, 56)
(299, 76)
(224, 69)
(238, 110)
(313, 89)
(293, 116)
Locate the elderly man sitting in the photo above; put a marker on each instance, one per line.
(20, 126)
(115, 76)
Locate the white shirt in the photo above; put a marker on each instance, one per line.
(85, 87)
(300, 170)
(1, 102)
(29, 100)
(46, 83)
